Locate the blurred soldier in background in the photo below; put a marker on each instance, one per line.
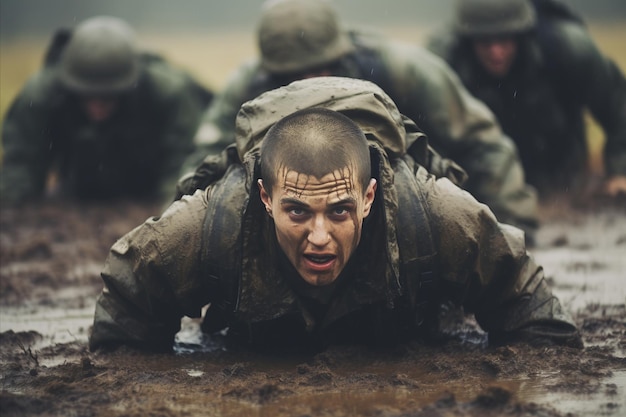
(535, 65)
(111, 120)
(301, 39)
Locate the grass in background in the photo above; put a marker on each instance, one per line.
(211, 57)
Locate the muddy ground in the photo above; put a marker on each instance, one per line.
(51, 256)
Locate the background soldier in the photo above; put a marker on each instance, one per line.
(535, 65)
(111, 120)
(423, 87)
(323, 230)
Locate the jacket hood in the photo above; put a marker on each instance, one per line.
(362, 101)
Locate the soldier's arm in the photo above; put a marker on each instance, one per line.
(485, 267)
(179, 109)
(27, 141)
(601, 84)
(463, 129)
(217, 127)
(151, 280)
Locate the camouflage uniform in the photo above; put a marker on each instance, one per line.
(557, 74)
(426, 240)
(423, 87)
(137, 152)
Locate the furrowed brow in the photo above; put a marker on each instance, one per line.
(344, 202)
(292, 201)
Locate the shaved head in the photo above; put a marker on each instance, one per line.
(316, 142)
(318, 190)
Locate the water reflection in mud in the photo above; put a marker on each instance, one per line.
(608, 399)
(586, 263)
(55, 324)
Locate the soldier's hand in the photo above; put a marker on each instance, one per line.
(615, 186)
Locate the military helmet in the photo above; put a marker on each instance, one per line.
(493, 17)
(100, 58)
(297, 35)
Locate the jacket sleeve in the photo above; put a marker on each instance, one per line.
(600, 84)
(152, 279)
(485, 267)
(27, 141)
(181, 110)
(217, 128)
(463, 129)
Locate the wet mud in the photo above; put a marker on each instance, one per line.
(51, 256)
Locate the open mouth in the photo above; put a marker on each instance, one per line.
(320, 262)
(319, 259)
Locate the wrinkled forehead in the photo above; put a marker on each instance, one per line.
(340, 182)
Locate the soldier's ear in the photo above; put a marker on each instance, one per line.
(265, 197)
(370, 193)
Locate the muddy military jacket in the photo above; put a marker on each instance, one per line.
(425, 240)
(138, 152)
(559, 73)
(425, 90)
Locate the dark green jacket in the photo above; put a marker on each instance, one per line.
(136, 153)
(558, 74)
(427, 91)
(425, 241)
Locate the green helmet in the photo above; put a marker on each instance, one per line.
(493, 17)
(100, 58)
(297, 35)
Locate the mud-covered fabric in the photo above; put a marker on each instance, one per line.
(558, 74)
(425, 90)
(218, 247)
(153, 275)
(362, 101)
(136, 153)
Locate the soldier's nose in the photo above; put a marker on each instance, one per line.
(319, 235)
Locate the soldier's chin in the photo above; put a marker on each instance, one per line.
(498, 70)
(319, 280)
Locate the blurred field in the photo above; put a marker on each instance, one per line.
(212, 56)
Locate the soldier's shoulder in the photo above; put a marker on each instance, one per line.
(568, 41)
(41, 89)
(367, 37)
(164, 78)
(394, 51)
(370, 41)
(246, 73)
(401, 58)
(247, 81)
(419, 66)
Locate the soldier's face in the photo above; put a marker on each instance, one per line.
(496, 54)
(318, 220)
(99, 109)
